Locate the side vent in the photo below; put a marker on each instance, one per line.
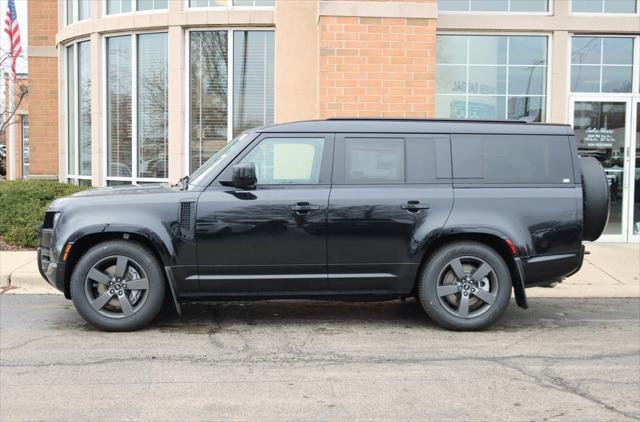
(187, 219)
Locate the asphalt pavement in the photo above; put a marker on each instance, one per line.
(563, 359)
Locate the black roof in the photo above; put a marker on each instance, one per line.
(420, 126)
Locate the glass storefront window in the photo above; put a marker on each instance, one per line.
(118, 6)
(25, 146)
(604, 6)
(235, 3)
(527, 6)
(137, 154)
(76, 10)
(253, 79)
(601, 64)
(636, 177)
(152, 106)
(252, 93)
(78, 106)
(491, 77)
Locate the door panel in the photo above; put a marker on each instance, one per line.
(390, 195)
(270, 240)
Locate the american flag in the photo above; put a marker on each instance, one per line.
(13, 30)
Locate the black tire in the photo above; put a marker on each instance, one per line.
(443, 283)
(595, 198)
(102, 274)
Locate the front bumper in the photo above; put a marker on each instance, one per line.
(48, 266)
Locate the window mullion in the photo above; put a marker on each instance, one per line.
(134, 108)
(230, 88)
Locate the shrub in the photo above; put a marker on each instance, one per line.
(22, 207)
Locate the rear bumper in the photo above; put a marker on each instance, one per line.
(548, 268)
(48, 265)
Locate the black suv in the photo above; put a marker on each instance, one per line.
(455, 213)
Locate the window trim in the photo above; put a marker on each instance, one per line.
(134, 179)
(75, 176)
(228, 6)
(134, 9)
(187, 83)
(635, 66)
(549, 12)
(548, 78)
(603, 13)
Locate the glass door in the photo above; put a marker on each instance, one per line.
(603, 130)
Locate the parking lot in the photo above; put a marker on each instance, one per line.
(567, 359)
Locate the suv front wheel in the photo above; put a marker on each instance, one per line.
(465, 286)
(117, 286)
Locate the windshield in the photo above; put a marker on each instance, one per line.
(216, 157)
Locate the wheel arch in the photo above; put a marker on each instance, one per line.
(81, 243)
(497, 241)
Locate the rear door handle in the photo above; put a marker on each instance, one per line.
(414, 206)
(304, 207)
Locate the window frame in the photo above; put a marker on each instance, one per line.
(635, 66)
(603, 13)
(548, 77)
(227, 6)
(230, 92)
(326, 162)
(76, 12)
(75, 177)
(134, 9)
(549, 12)
(134, 179)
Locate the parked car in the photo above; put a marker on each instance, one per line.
(3, 160)
(455, 213)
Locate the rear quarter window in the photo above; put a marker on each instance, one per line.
(512, 159)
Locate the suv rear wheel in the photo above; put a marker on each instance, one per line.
(465, 286)
(117, 286)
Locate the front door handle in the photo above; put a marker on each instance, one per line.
(304, 207)
(414, 206)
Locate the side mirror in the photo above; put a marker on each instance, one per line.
(244, 176)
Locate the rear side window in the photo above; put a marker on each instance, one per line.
(374, 160)
(515, 159)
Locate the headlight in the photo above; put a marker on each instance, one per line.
(51, 219)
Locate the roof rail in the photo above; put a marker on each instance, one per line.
(426, 120)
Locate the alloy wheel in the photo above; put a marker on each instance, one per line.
(467, 286)
(116, 286)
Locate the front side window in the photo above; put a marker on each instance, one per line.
(78, 96)
(137, 154)
(286, 161)
(604, 6)
(491, 77)
(601, 64)
(516, 6)
(220, 109)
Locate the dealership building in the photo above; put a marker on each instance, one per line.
(144, 91)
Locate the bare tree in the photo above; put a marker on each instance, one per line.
(16, 89)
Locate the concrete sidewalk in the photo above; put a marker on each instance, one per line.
(611, 270)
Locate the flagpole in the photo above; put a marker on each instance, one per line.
(12, 131)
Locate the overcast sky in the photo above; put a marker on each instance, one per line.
(21, 10)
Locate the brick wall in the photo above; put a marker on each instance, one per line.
(43, 89)
(377, 67)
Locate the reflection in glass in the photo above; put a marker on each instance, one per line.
(600, 133)
(603, 6)
(287, 160)
(253, 79)
(636, 179)
(152, 105)
(118, 6)
(84, 108)
(493, 5)
(601, 64)
(119, 135)
(208, 94)
(483, 81)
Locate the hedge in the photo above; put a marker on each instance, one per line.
(22, 207)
